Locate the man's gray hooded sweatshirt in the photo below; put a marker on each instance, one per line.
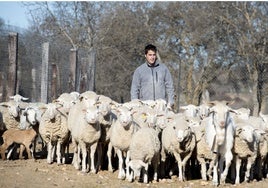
(152, 82)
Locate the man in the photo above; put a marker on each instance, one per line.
(152, 80)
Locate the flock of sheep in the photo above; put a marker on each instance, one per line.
(144, 135)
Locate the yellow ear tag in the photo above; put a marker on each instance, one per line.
(143, 115)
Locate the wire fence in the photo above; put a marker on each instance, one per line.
(30, 72)
(63, 65)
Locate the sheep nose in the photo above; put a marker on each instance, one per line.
(222, 123)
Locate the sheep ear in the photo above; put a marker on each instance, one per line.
(229, 102)
(4, 104)
(211, 103)
(238, 130)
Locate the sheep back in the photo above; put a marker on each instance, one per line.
(144, 145)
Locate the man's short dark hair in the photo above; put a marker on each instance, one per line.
(150, 47)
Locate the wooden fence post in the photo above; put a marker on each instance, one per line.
(34, 91)
(73, 71)
(83, 76)
(44, 74)
(1, 87)
(13, 64)
(91, 70)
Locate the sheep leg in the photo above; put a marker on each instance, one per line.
(184, 161)
(203, 168)
(163, 163)
(93, 148)
(178, 159)
(215, 170)
(109, 154)
(100, 155)
(121, 174)
(49, 153)
(84, 156)
(10, 152)
(58, 150)
(209, 171)
(237, 167)
(131, 175)
(155, 163)
(75, 162)
(248, 171)
(126, 162)
(64, 146)
(228, 162)
(145, 176)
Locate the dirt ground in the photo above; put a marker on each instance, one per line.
(37, 173)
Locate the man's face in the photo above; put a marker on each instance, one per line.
(150, 57)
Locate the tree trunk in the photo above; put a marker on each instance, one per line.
(13, 64)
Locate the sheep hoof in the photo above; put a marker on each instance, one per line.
(215, 183)
(93, 171)
(130, 180)
(77, 167)
(84, 171)
(154, 181)
(121, 177)
(110, 169)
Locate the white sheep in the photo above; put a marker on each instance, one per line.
(179, 140)
(245, 148)
(158, 104)
(260, 127)
(133, 103)
(189, 110)
(121, 133)
(10, 112)
(54, 131)
(203, 153)
(241, 114)
(107, 118)
(262, 151)
(85, 100)
(67, 100)
(144, 150)
(23, 137)
(83, 123)
(144, 116)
